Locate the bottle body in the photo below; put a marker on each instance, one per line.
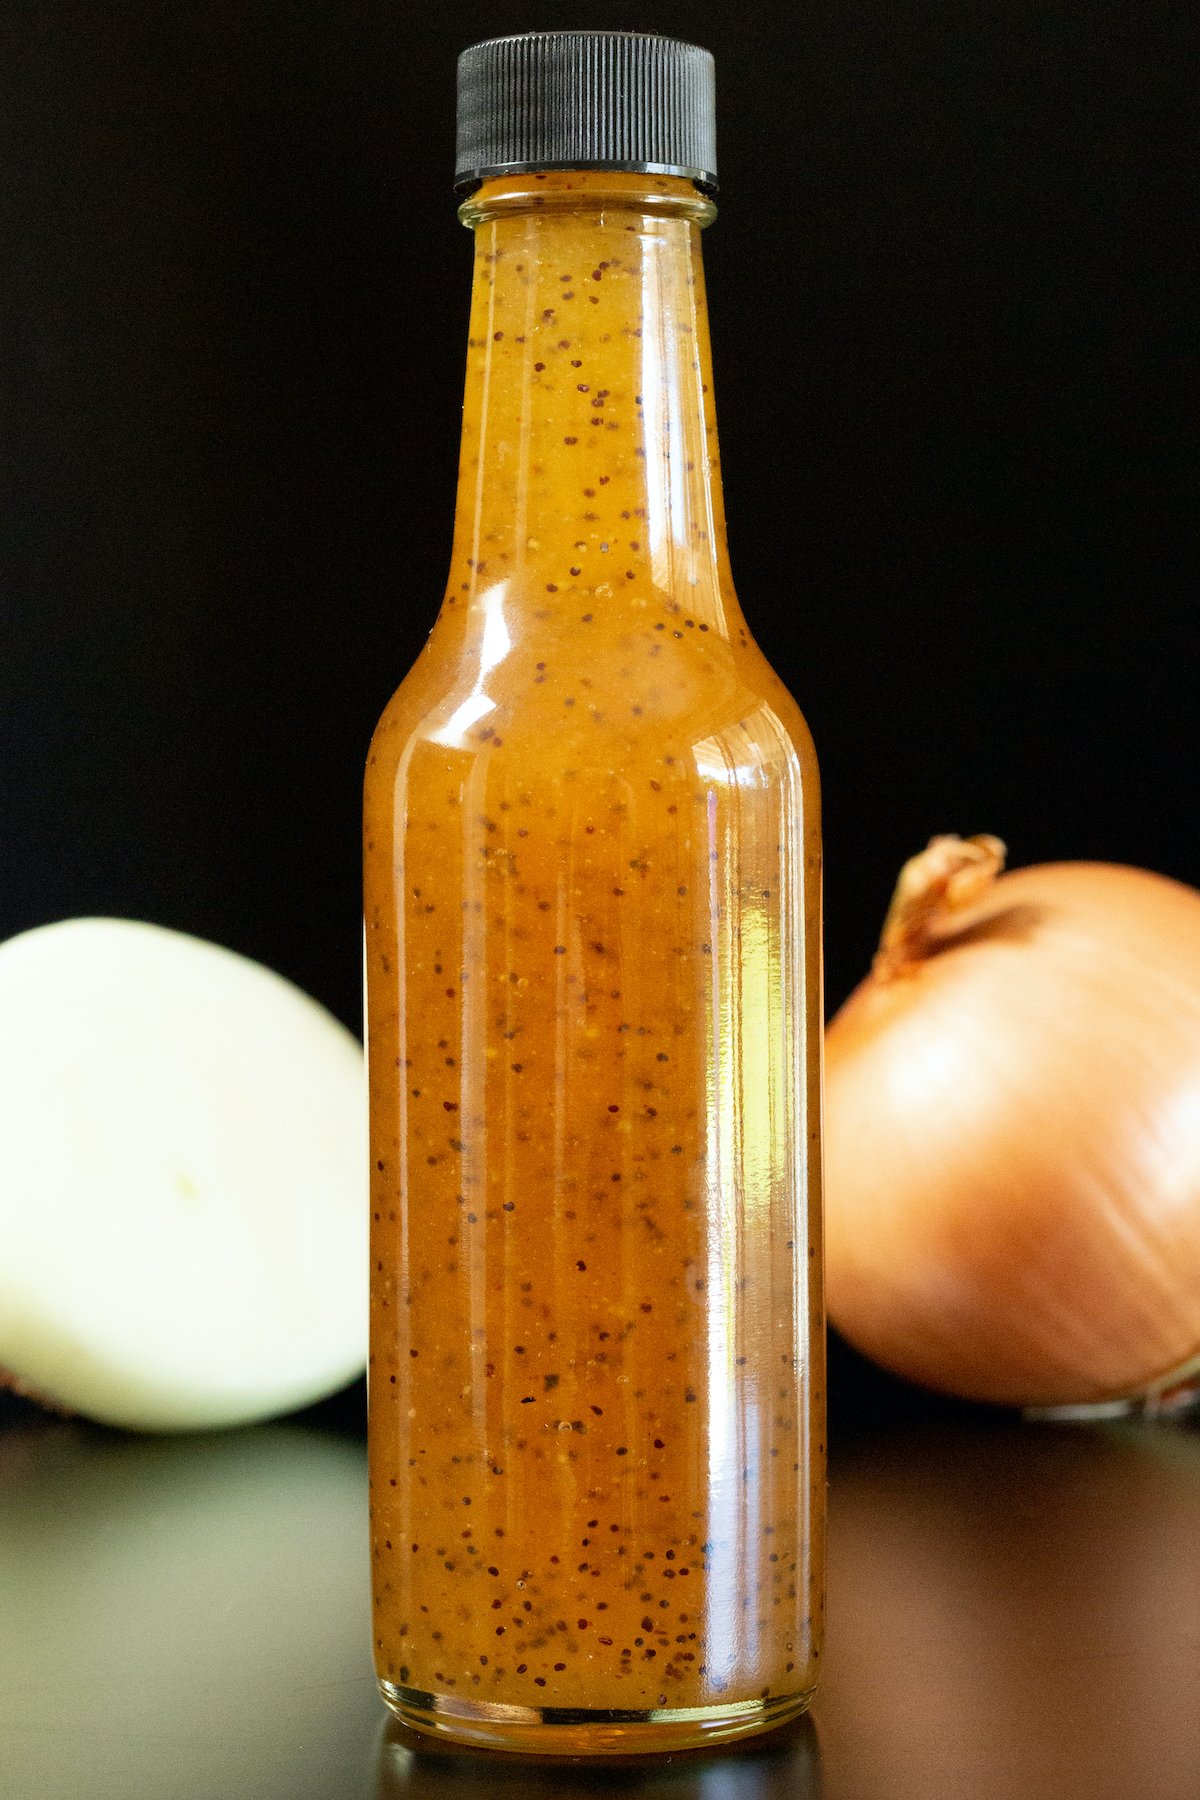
(593, 958)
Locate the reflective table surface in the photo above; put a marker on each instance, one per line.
(1014, 1614)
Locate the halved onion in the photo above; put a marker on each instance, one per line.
(182, 1180)
(1013, 1133)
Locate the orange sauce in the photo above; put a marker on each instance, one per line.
(592, 898)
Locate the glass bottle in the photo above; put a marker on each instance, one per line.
(592, 908)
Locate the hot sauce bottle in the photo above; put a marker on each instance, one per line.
(592, 909)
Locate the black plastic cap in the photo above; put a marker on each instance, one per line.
(586, 100)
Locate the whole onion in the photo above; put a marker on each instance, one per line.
(1013, 1133)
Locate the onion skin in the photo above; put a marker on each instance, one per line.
(1013, 1140)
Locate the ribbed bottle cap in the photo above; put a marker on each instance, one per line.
(586, 100)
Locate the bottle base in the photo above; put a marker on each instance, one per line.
(582, 1731)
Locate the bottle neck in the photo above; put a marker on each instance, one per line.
(589, 447)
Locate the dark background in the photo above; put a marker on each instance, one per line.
(952, 316)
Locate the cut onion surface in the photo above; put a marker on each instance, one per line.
(183, 1212)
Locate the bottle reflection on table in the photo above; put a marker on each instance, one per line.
(780, 1765)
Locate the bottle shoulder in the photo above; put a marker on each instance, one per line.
(568, 705)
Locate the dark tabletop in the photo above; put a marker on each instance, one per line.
(1014, 1615)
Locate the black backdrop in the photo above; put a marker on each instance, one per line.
(951, 296)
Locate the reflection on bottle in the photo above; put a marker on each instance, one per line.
(781, 1765)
